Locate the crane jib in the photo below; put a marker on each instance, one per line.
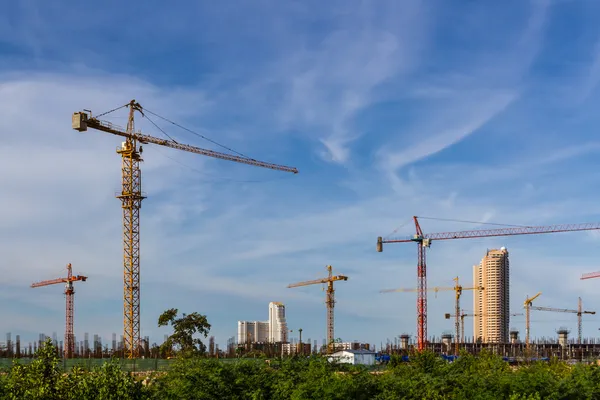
(481, 233)
(81, 122)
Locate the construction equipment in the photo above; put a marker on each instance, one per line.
(590, 275)
(131, 201)
(527, 305)
(458, 290)
(462, 320)
(580, 319)
(329, 300)
(579, 313)
(69, 348)
(424, 240)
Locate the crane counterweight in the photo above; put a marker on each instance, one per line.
(79, 121)
(379, 244)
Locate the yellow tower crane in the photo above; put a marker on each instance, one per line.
(458, 292)
(579, 313)
(131, 201)
(527, 305)
(329, 301)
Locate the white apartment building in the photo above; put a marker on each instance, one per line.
(278, 329)
(491, 306)
(253, 332)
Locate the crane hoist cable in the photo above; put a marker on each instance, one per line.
(197, 134)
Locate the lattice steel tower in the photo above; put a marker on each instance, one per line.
(131, 200)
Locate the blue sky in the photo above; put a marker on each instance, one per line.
(468, 111)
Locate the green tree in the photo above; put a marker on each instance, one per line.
(195, 378)
(109, 382)
(184, 329)
(39, 379)
(43, 379)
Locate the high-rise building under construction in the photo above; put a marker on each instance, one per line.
(278, 330)
(491, 306)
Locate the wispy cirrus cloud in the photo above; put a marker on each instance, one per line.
(462, 103)
(449, 127)
(327, 84)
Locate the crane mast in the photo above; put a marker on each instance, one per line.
(69, 348)
(131, 201)
(423, 241)
(580, 313)
(330, 302)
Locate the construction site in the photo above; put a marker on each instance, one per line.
(490, 287)
(300, 200)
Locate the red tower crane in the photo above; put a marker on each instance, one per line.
(69, 348)
(424, 240)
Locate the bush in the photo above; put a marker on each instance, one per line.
(43, 379)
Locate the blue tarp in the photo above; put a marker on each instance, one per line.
(384, 358)
(449, 358)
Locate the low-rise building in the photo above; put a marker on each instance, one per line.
(351, 346)
(288, 349)
(354, 357)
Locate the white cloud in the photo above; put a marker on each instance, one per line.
(460, 104)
